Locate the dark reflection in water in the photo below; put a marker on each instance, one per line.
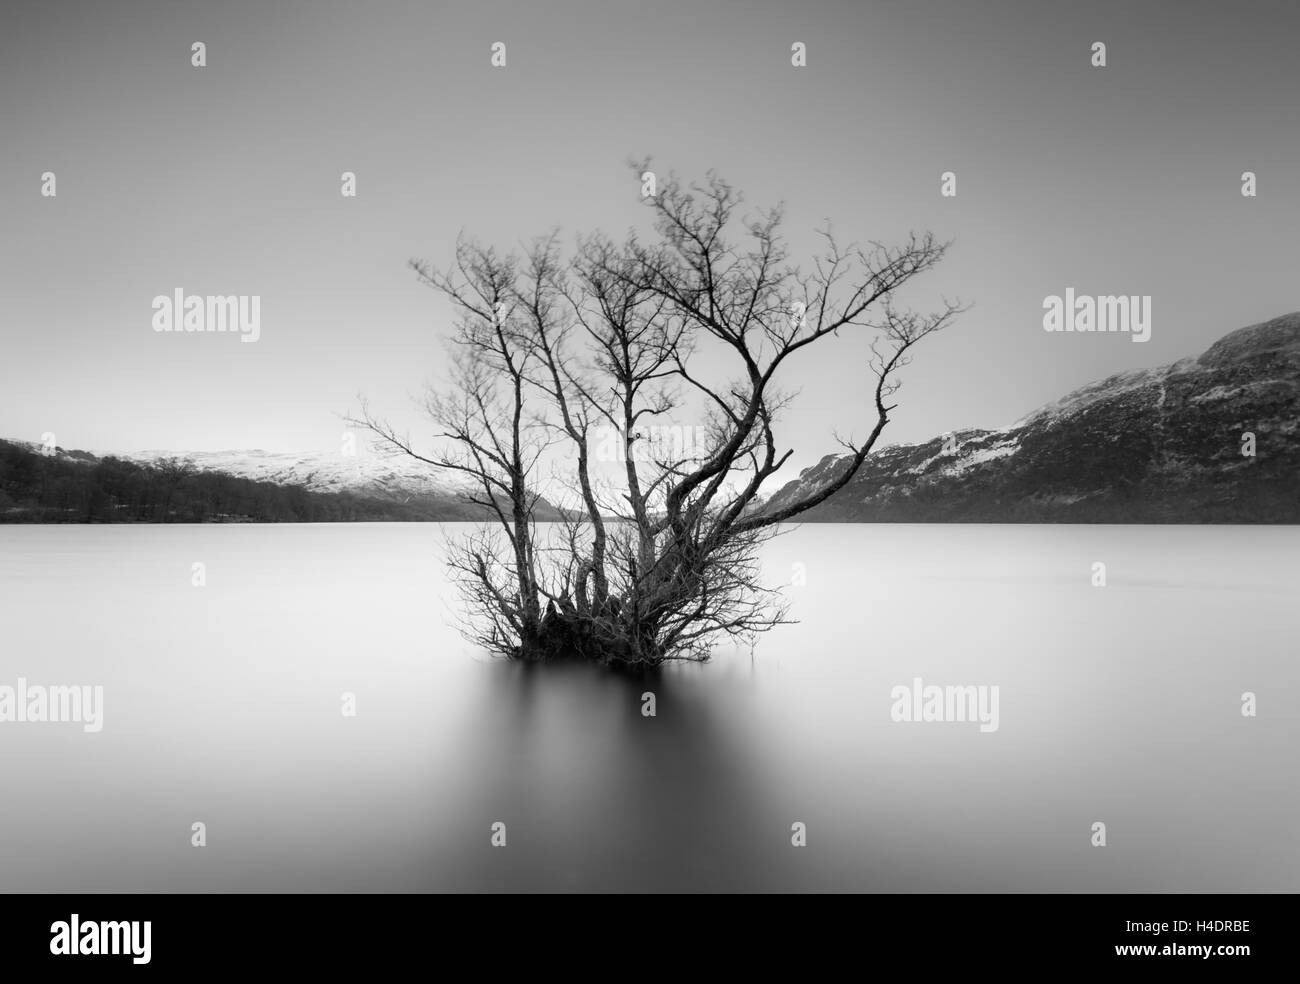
(595, 795)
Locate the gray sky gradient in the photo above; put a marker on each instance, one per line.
(225, 180)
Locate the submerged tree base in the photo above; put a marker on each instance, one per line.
(570, 637)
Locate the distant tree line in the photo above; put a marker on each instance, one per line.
(77, 487)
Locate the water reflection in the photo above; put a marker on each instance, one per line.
(596, 795)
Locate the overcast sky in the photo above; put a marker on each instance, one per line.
(225, 180)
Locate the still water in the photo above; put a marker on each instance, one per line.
(223, 705)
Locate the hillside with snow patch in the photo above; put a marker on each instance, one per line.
(1144, 446)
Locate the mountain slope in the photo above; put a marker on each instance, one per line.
(436, 494)
(64, 485)
(399, 479)
(1146, 446)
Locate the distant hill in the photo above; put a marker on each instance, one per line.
(69, 486)
(394, 480)
(1147, 446)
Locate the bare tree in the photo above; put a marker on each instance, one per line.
(663, 562)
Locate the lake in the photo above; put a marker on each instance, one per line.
(223, 704)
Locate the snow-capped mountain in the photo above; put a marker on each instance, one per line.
(389, 478)
(1145, 446)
